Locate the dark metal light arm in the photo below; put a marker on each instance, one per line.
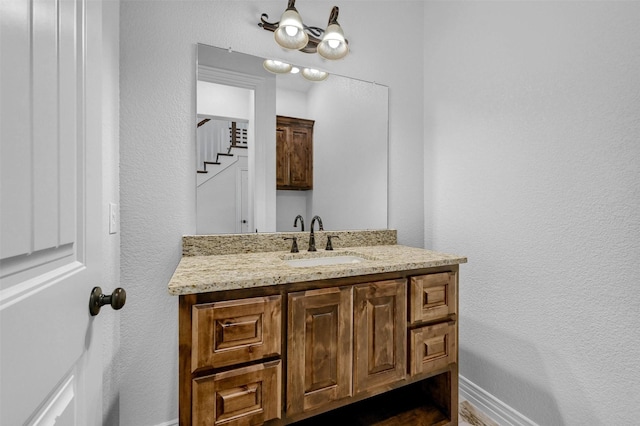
(333, 17)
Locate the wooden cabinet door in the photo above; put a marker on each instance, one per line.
(294, 153)
(319, 349)
(300, 162)
(240, 397)
(380, 330)
(282, 156)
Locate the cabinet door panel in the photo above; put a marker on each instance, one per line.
(433, 296)
(300, 162)
(319, 348)
(294, 153)
(380, 330)
(245, 396)
(282, 161)
(237, 331)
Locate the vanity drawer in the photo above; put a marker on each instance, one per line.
(432, 347)
(240, 397)
(235, 331)
(432, 297)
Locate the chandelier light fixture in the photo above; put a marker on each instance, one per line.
(312, 74)
(277, 67)
(291, 33)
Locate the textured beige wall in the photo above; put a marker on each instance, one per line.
(532, 135)
(157, 93)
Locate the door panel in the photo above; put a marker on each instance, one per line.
(51, 209)
(244, 201)
(282, 162)
(319, 348)
(380, 331)
(300, 168)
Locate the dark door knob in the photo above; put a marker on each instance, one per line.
(98, 300)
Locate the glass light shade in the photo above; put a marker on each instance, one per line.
(314, 75)
(290, 33)
(276, 67)
(333, 45)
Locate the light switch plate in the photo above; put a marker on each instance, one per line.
(113, 218)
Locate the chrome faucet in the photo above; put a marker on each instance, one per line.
(295, 222)
(312, 237)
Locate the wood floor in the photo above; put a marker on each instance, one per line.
(468, 415)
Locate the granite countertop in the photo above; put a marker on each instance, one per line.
(205, 273)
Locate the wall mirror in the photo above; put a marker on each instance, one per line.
(237, 104)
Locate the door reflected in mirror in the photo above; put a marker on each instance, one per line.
(350, 148)
(222, 159)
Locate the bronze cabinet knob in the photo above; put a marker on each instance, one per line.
(97, 300)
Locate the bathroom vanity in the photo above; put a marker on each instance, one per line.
(364, 334)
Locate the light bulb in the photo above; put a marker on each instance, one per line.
(333, 43)
(291, 30)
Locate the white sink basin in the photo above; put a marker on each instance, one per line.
(323, 261)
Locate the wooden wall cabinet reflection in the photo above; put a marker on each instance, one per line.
(294, 153)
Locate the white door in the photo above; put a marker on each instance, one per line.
(243, 197)
(51, 195)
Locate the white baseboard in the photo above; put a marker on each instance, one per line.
(497, 410)
(169, 423)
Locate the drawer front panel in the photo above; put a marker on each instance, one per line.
(432, 297)
(245, 396)
(237, 331)
(432, 347)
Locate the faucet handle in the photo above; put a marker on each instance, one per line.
(329, 245)
(294, 244)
